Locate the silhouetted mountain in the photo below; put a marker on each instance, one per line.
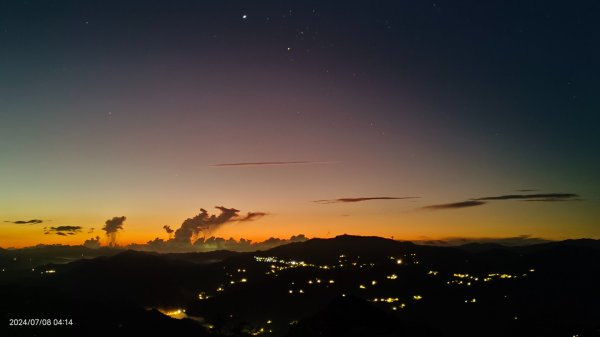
(32, 257)
(325, 285)
(476, 247)
(204, 257)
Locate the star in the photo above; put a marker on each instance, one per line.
(244, 16)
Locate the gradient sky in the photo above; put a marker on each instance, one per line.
(111, 108)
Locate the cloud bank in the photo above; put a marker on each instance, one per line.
(214, 243)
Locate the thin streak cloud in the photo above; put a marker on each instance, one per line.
(534, 197)
(456, 205)
(346, 200)
(274, 163)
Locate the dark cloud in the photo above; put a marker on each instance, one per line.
(169, 231)
(528, 190)
(340, 200)
(63, 230)
(534, 197)
(551, 199)
(112, 226)
(26, 222)
(205, 223)
(92, 243)
(455, 205)
(540, 197)
(251, 216)
(273, 163)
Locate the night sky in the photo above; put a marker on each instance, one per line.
(412, 119)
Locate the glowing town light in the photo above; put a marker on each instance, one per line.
(243, 280)
(392, 277)
(362, 287)
(373, 282)
(176, 313)
(331, 281)
(398, 261)
(417, 297)
(220, 289)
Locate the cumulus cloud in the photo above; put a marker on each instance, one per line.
(169, 231)
(206, 223)
(273, 163)
(26, 222)
(455, 205)
(535, 197)
(92, 243)
(342, 200)
(194, 234)
(112, 226)
(63, 230)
